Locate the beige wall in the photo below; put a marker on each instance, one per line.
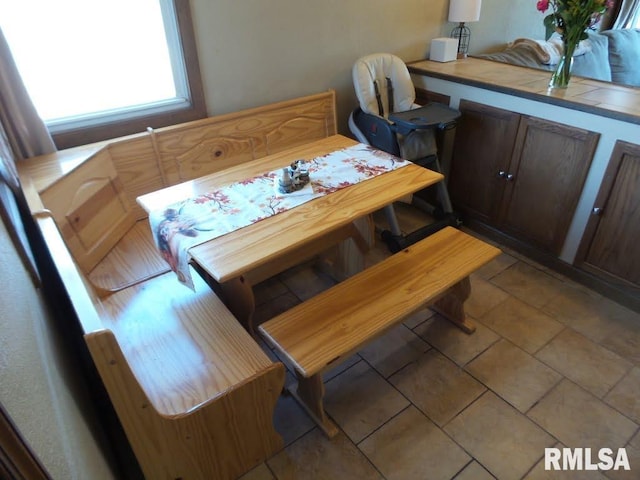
(35, 385)
(254, 52)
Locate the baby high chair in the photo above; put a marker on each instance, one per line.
(388, 119)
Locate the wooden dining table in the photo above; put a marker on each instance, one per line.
(338, 223)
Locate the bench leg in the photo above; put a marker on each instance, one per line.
(451, 305)
(309, 394)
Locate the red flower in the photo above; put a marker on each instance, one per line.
(542, 5)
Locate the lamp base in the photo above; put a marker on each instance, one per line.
(463, 34)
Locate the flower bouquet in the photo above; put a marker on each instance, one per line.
(571, 19)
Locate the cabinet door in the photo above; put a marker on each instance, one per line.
(610, 243)
(484, 141)
(544, 181)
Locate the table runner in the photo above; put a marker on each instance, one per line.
(182, 225)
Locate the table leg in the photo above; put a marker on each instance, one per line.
(309, 394)
(236, 294)
(347, 257)
(451, 305)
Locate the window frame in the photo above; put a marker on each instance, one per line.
(137, 121)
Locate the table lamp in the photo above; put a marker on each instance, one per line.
(462, 11)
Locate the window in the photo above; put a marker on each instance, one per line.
(98, 70)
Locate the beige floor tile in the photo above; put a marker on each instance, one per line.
(524, 325)
(589, 365)
(632, 450)
(474, 471)
(503, 440)
(484, 297)
(274, 307)
(268, 290)
(437, 386)
(496, 266)
(261, 472)
(359, 400)
(529, 284)
(410, 217)
(410, 446)
(290, 420)
(586, 312)
(578, 419)
(633, 456)
(540, 473)
(624, 336)
(513, 374)
(376, 254)
(453, 342)
(393, 350)
(419, 317)
(625, 396)
(341, 367)
(314, 457)
(305, 282)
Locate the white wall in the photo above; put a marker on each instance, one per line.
(35, 386)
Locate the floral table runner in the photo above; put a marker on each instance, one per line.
(196, 220)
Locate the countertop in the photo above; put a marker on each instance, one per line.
(601, 98)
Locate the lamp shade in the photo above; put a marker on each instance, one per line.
(464, 10)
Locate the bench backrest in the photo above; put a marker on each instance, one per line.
(94, 203)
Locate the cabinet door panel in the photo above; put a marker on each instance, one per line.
(610, 243)
(484, 142)
(548, 168)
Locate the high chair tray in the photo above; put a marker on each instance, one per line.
(432, 115)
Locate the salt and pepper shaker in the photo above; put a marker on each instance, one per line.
(293, 177)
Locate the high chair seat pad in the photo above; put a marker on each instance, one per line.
(375, 69)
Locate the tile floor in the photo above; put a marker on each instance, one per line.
(551, 364)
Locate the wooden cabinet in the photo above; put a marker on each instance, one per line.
(484, 142)
(520, 174)
(609, 245)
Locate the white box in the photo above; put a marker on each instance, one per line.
(443, 49)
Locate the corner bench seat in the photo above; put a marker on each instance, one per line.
(134, 259)
(184, 348)
(193, 390)
(324, 330)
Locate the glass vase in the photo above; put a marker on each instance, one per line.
(562, 73)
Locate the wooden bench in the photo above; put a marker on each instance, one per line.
(193, 390)
(323, 331)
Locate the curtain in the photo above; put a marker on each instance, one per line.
(629, 14)
(625, 14)
(25, 130)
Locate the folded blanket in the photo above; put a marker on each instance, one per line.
(550, 51)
